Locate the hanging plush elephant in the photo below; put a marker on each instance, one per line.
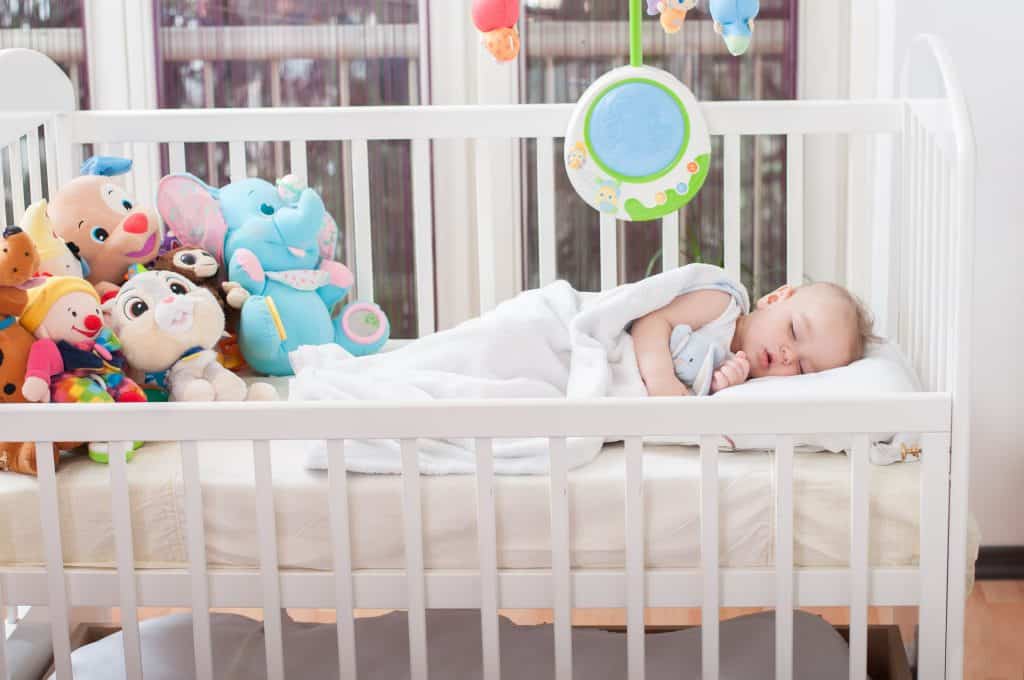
(278, 247)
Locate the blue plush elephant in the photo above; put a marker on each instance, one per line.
(278, 247)
(734, 21)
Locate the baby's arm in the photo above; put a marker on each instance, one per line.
(651, 337)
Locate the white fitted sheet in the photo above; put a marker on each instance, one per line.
(672, 519)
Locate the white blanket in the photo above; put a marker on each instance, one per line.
(551, 342)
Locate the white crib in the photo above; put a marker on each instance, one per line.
(925, 277)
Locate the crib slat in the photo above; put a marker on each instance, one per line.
(415, 587)
(35, 166)
(56, 586)
(709, 551)
(670, 241)
(560, 573)
(341, 546)
(297, 159)
(17, 180)
(917, 222)
(901, 230)
(937, 329)
(947, 300)
(488, 547)
(860, 499)
(635, 594)
(784, 558)
(794, 209)
(731, 179)
(271, 583)
(236, 160)
(423, 234)
(202, 641)
(3, 199)
(934, 568)
(361, 215)
(547, 245)
(121, 513)
(486, 248)
(929, 266)
(176, 157)
(50, 148)
(609, 252)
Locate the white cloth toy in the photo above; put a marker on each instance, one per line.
(168, 326)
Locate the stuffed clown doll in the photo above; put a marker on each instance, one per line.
(75, 358)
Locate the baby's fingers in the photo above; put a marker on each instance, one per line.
(719, 381)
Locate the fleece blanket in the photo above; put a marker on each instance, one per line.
(552, 342)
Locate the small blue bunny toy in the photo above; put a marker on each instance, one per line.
(695, 358)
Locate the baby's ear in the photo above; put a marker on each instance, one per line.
(778, 295)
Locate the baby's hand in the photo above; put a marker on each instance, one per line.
(732, 372)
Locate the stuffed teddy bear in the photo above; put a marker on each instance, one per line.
(97, 218)
(196, 265)
(18, 260)
(169, 326)
(278, 245)
(56, 258)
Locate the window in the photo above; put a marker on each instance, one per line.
(251, 53)
(53, 27)
(568, 45)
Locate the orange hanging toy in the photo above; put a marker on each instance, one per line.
(496, 19)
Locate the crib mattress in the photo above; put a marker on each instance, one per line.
(672, 514)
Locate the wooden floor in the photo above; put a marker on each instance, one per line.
(995, 624)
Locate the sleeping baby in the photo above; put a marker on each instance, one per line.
(791, 331)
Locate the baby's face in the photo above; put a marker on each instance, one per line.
(799, 331)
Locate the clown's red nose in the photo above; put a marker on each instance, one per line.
(93, 323)
(136, 224)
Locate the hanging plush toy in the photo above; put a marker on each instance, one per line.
(496, 19)
(673, 12)
(734, 21)
(169, 326)
(102, 223)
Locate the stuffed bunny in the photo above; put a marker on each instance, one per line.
(168, 327)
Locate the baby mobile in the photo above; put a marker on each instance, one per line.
(637, 147)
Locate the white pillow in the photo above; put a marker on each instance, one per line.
(883, 370)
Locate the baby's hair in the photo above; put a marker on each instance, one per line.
(864, 321)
